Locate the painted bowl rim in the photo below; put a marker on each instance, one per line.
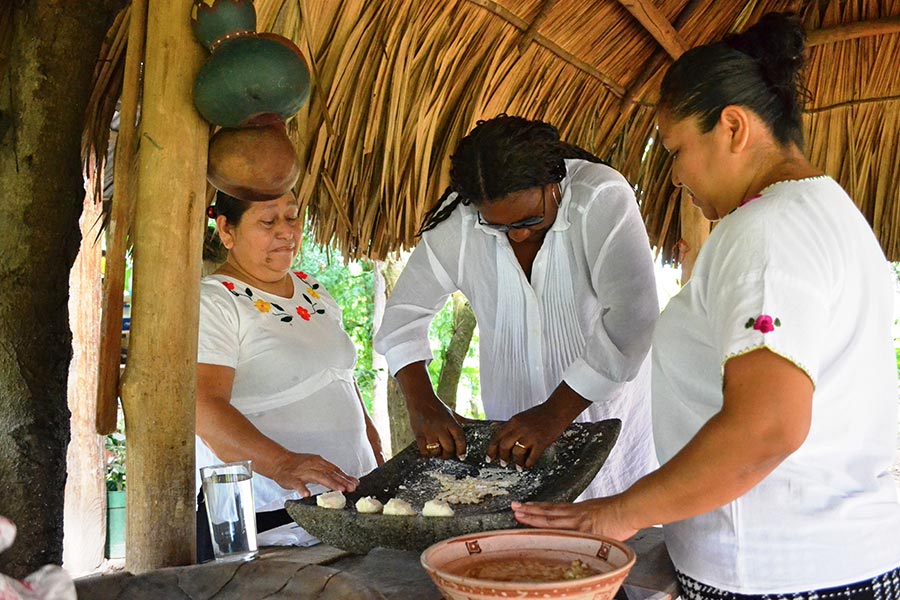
(536, 586)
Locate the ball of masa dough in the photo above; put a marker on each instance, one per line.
(334, 500)
(368, 505)
(437, 508)
(396, 506)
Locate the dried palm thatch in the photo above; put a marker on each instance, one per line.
(399, 82)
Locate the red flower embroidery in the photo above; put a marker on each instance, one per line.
(229, 285)
(304, 314)
(763, 323)
(301, 274)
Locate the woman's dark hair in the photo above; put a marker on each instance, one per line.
(759, 69)
(229, 207)
(500, 156)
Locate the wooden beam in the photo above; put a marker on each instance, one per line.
(650, 67)
(500, 11)
(159, 384)
(528, 36)
(852, 31)
(656, 25)
(854, 102)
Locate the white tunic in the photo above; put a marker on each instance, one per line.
(585, 318)
(293, 377)
(799, 272)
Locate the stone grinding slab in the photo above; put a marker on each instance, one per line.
(562, 473)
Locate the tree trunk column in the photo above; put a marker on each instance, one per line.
(49, 55)
(159, 386)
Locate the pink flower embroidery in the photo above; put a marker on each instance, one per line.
(304, 314)
(763, 323)
(301, 274)
(229, 285)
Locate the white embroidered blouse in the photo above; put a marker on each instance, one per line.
(293, 376)
(798, 271)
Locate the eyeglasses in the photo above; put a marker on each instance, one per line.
(523, 224)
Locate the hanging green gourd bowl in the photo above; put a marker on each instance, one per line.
(252, 80)
(215, 20)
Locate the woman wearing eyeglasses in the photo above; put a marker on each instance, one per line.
(548, 245)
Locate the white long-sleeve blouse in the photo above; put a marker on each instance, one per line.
(585, 317)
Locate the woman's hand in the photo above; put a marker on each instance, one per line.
(436, 427)
(231, 436)
(295, 471)
(602, 516)
(765, 417)
(523, 439)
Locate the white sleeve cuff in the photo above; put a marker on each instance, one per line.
(406, 353)
(590, 384)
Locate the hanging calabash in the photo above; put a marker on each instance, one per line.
(253, 163)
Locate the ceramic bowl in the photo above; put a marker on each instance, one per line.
(444, 561)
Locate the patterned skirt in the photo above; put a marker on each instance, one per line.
(882, 587)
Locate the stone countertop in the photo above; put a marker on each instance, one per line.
(323, 572)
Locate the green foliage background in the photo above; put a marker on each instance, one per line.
(352, 286)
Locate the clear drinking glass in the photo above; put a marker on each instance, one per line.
(229, 508)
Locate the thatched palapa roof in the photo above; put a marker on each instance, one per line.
(398, 82)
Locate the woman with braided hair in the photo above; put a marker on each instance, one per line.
(548, 245)
(774, 374)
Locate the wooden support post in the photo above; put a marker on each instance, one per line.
(159, 384)
(84, 521)
(694, 231)
(380, 415)
(121, 217)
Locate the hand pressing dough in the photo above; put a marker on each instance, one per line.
(368, 505)
(437, 508)
(396, 506)
(334, 500)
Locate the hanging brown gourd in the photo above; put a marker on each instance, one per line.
(250, 85)
(256, 163)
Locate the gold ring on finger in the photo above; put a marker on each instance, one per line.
(432, 446)
(520, 445)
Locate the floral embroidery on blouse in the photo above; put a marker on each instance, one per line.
(276, 310)
(308, 295)
(763, 323)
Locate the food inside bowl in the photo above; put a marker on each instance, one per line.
(527, 570)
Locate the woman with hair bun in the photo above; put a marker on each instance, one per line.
(549, 247)
(774, 376)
